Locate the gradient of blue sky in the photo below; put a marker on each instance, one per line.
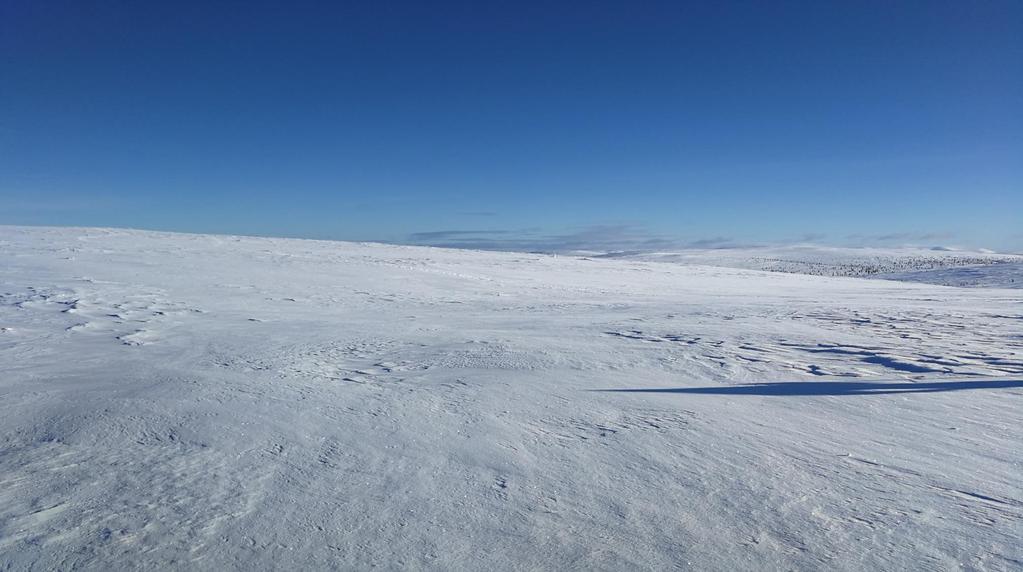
(854, 122)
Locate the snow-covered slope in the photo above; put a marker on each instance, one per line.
(933, 266)
(1007, 274)
(212, 402)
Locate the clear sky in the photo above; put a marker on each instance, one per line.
(518, 124)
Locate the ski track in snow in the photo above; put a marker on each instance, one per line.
(216, 402)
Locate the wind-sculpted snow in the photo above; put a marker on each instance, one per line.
(176, 401)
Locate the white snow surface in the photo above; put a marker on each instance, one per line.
(174, 401)
(944, 266)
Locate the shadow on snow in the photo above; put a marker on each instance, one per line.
(833, 388)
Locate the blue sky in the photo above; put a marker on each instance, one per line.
(518, 124)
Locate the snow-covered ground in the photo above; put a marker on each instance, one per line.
(212, 402)
(942, 266)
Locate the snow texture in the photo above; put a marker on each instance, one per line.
(949, 267)
(174, 401)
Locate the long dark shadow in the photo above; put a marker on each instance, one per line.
(832, 388)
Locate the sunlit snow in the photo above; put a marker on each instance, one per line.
(225, 402)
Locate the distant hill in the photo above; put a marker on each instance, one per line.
(942, 266)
